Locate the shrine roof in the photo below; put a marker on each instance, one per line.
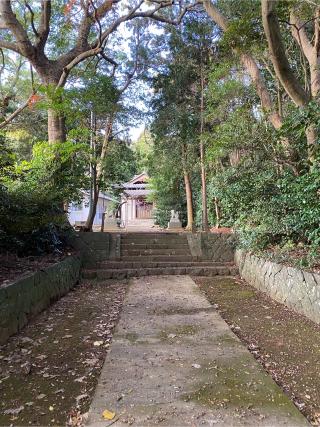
(137, 192)
(136, 180)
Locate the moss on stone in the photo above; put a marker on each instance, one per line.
(178, 331)
(232, 382)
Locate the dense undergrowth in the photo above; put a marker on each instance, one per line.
(33, 195)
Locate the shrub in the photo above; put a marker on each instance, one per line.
(33, 195)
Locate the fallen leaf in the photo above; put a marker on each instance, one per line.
(81, 397)
(41, 357)
(79, 380)
(108, 415)
(14, 411)
(91, 362)
(41, 396)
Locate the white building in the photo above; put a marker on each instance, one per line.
(136, 210)
(78, 212)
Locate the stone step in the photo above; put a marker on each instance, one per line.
(161, 241)
(122, 264)
(150, 236)
(144, 252)
(154, 233)
(102, 274)
(159, 258)
(152, 245)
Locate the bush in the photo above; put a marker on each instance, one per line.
(33, 195)
(268, 208)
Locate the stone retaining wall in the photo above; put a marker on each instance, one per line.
(297, 289)
(96, 247)
(21, 300)
(217, 247)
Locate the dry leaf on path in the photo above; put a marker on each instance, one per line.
(14, 411)
(108, 415)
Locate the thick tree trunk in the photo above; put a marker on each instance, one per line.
(267, 104)
(278, 54)
(188, 189)
(56, 127)
(251, 66)
(56, 121)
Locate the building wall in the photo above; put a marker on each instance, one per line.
(128, 210)
(79, 212)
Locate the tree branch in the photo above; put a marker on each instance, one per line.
(153, 15)
(32, 19)
(215, 15)
(75, 61)
(278, 54)
(10, 46)
(251, 67)
(299, 34)
(15, 113)
(317, 30)
(11, 22)
(44, 27)
(72, 58)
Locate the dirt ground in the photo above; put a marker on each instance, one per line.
(13, 267)
(48, 372)
(285, 343)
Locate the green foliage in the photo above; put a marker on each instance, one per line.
(32, 218)
(119, 166)
(245, 30)
(177, 116)
(269, 209)
(267, 203)
(268, 192)
(169, 194)
(143, 150)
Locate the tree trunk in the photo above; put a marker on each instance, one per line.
(312, 136)
(278, 54)
(56, 127)
(56, 121)
(93, 207)
(188, 188)
(205, 225)
(250, 65)
(97, 173)
(265, 98)
(217, 209)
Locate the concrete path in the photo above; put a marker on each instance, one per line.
(175, 362)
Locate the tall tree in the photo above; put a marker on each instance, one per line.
(251, 64)
(54, 37)
(308, 41)
(180, 101)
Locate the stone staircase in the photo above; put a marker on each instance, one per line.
(148, 254)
